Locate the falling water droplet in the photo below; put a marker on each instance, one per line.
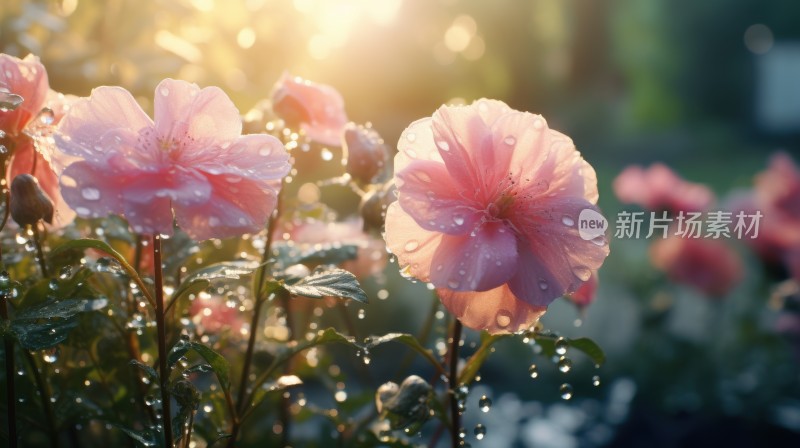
(566, 391)
(485, 403)
(561, 346)
(564, 364)
(50, 355)
(533, 371)
(362, 313)
(480, 431)
(596, 380)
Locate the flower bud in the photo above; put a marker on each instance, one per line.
(365, 152)
(290, 108)
(404, 405)
(374, 204)
(29, 203)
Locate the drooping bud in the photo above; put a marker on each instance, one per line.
(29, 203)
(365, 152)
(374, 204)
(406, 405)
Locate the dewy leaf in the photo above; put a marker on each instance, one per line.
(86, 243)
(287, 255)
(282, 383)
(475, 361)
(329, 283)
(585, 345)
(409, 341)
(146, 437)
(201, 279)
(149, 370)
(49, 324)
(62, 309)
(217, 362)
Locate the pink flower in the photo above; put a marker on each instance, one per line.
(488, 201)
(659, 188)
(709, 266)
(213, 315)
(317, 109)
(371, 254)
(191, 159)
(28, 136)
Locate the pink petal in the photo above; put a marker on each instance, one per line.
(28, 79)
(182, 186)
(429, 196)
(154, 216)
(416, 143)
(555, 259)
(476, 262)
(461, 136)
(497, 310)
(109, 121)
(194, 118)
(413, 245)
(91, 190)
(230, 210)
(257, 157)
(324, 114)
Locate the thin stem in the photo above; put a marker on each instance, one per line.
(285, 412)
(11, 399)
(456, 416)
(45, 395)
(241, 398)
(37, 241)
(166, 414)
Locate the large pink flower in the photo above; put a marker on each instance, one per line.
(28, 136)
(488, 205)
(317, 109)
(191, 159)
(659, 188)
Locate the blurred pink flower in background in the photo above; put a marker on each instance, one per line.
(371, 255)
(28, 134)
(487, 211)
(707, 265)
(365, 152)
(776, 195)
(316, 109)
(212, 314)
(584, 296)
(192, 159)
(659, 188)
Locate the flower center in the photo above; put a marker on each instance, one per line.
(498, 208)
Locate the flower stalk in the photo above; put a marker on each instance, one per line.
(163, 369)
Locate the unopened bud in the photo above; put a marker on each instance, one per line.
(29, 203)
(406, 404)
(365, 152)
(374, 204)
(289, 108)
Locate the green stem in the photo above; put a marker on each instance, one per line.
(37, 241)
(44, 393)
(11, 400)
(166, 414)
(455, 414)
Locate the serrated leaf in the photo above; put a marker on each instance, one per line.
(329, 283)
(228, 269)
(149, 370)
(218, 363)
(39, 336)
(584, 345)
(287, 255)
(62, 309)
(408, 340)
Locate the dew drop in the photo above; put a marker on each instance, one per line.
(90, 194)
(65, 272)
(480, 431)
(596, 380)
(164, 91)
(569, 222)
(443, 145)
(361, 313)
(566, 391)
(50, 355)
(458, 219)
(46, 116)
(485, 403)
(561, 346)
(411, 246)
(533, 371)
(510, 140)
(564, 364)
(4, 278)
(411, 137)
(503, 318)
(53, 285)
(453, 284)
(543, 285)
(582, 272)
(326, 154)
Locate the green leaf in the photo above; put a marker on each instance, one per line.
(282, 383)
(585, 345)
(287, 255)
(407, 340)
(149, 370)
(201, 279)
(217, 362)
(62, 309)
(329, 283)
(188, 398)
(146, 437)
(39, 336)
(87, 243)
(475, 361)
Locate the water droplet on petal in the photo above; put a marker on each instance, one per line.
(90, 194)
(443, 145)
(164, 91)
(458, 219)
(411, 246)
(503, 318)
(569, 222)
(510, 140)
(411, 137)
(582, 272)
(453, 284)
(543, 285)
(566, 391)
